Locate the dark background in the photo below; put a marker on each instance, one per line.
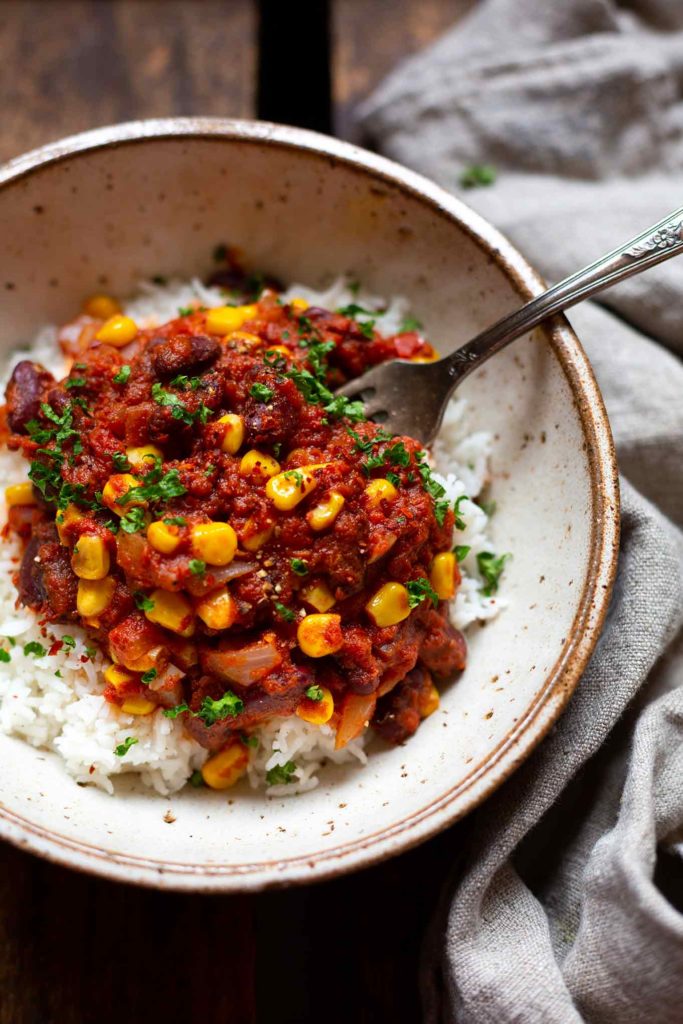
(75, 949)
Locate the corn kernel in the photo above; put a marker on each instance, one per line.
(143, 457)
(254, 540)
(389, 605)
(90, 558)
(246, 341)
(380, 490)
(318, 595)
(233, 432)
(258, 464)
(118, 677)
(115, 488)
(117, 331)
(224, 769)
(71, 514)
(156, 658)
(299, 305)
(326, 511)
(287, 489)
(444, 575)
(136, 704)
(428, 704)
(317, 712)
(94, 596)
(319, 635)
(20, 494)
(218, 610)
(163, 538)
(225, 319)
(214, 543)
(101, 307)
(172, 611)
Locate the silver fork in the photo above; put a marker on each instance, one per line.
(410, 398)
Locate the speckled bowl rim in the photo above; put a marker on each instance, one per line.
(561, 681)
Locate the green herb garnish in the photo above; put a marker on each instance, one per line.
(285, 613)
(149, 676)
(314, 693)
(134, 520)
(261, 392)
(175, 521)
(477, 176)
(122, 749)
(299, 566)
(491, 568)
(281, 774)
(5, 655)
(460, 523)
(120, 461)
(33, 647)
(144, 603)
(420, 589)
(461, 551)
(409, 325)
(122, 376)
(197, 567)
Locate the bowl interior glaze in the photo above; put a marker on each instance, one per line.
(104, 210)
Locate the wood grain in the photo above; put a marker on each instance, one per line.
(369, 38)
(69, 65)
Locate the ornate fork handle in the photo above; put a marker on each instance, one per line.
(658, 243)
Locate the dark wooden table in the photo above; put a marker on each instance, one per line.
(75, 949)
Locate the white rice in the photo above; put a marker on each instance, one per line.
(55, 701)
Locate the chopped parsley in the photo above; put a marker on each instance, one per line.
(228, 706)
(461, 551)
(315, 693)
(394, 479)
(211, 711)
(398, 454)
(354, 311)
(122, 376)
(144, 603)
(209, 469)
(285, 613)
(185, 310)
(5, 655)
(179, 410)
(120, 460)
(409, 325)
(197, 779)
(185, 383)
(491, 568)
(134, 520)
(460, 523)
(477, 175)
(296, 476)
(249, 741)
(175, 521)
(316, 392)
(281, 774)
(261, 392)
(157, 486)
(149, 676)
(33, 647)
(433, 488)
(420, 589)
(122, 749)
(75, 382)
(299, 566)
(69, 641)
(197, 567)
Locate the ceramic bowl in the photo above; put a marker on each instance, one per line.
(107, 208)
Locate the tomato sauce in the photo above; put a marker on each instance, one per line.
(324, 510)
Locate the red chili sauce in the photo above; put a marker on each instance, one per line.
(223, 645)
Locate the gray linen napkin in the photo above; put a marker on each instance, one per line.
(555, 916)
